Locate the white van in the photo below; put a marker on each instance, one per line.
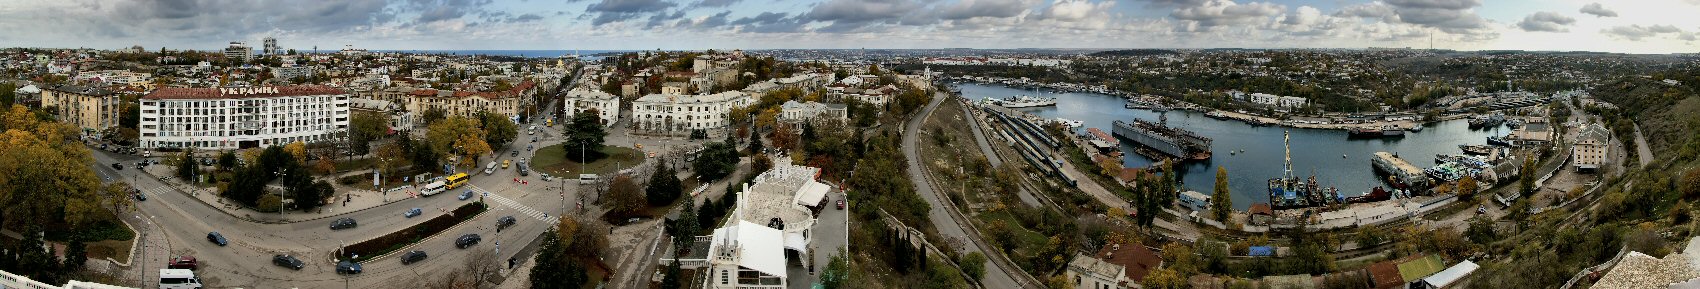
(435, 187)
(585, 179)
(178, 279)
(490, 169)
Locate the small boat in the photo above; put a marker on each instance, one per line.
(1480, 150)
(1217, 115)
(1498, 141)
(1418, 128)
(1021, 101)
(1342, 156)
(1159, 108)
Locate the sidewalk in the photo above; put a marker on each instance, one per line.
(357, 200)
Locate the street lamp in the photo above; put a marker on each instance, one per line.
(280, 212)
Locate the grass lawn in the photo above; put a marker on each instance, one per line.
(552, 160)
(117, 250)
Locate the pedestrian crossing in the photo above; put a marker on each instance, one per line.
(521, 208)
(156, 191)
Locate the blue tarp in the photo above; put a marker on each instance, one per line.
(1260, 251)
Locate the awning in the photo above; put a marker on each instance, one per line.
(812, 193)
(796, 241)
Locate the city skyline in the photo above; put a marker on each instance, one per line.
(1591, 25)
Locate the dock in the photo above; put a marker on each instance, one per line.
(1400, 172)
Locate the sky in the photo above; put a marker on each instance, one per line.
(1628, 26)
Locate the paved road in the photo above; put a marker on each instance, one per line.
(980, 136)
(1642, 151)
(942, 220)
(177, 222)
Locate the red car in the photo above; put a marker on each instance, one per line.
(840, 204)
(182, 262)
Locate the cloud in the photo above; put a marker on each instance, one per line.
(528, 17)
(1598, 10)
(1451, 16)
(1367, 10)
(769, 22)
(609, 11)
(852, 15)
(1226, 12)
(1638, 32)
(984, 8)
(1546, 22)
(716, 3)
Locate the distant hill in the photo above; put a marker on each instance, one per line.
(1135, 52)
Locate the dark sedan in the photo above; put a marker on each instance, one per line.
(288, 261)
(343, 223)
(467, 241)
(346, 267)
(217, 238)
(412, 256)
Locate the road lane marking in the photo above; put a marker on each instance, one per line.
(516, 205)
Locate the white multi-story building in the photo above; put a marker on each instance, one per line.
(245, 117)
(796, 113)
(607, 105)
(289, 73)
(239, 51)
(672, 114)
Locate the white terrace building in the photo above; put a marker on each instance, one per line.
(607, 105)
(673, 114)
(246, 117)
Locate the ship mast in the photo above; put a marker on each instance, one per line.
(1287, 146)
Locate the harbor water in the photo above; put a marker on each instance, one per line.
(1335, 160)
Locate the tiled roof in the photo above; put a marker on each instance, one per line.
(246, 92)
(1136, 259)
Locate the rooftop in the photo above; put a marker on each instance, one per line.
(242, 92)
(1136, 259)
(775, 194)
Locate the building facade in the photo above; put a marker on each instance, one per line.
(469, 103)
(1590, 148)
(89, 108)
(607, 105)
(247, 117)
(796, 113)
(672, 114)
(238, 51)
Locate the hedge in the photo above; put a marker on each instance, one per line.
(396, 240)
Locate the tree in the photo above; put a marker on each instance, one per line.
(1528, 175)
(1221, 201)
(8, 94)
(459, 136)
(624, 196)
(664, 185)
(312, 196)
(116, 196)
(187, 166)
(1180, 258)
(76, 253)
(1690, 183)
(686, 227)
(716, 161)
(837, 271)
(298, 150)
(420, 154)
(554, 269)
(1164, 278)
(785, 138)
(670, 277)
(482, 266)
(1480, 231)
(498, 130)
(584, 137)
(973, 264)
(226, 161)
(432, 115)
(363, 129)
(1467, 187)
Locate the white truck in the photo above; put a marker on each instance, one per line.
(178, 279)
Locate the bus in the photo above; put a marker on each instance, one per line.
(456, 180)
(432, 188)
(178, 279)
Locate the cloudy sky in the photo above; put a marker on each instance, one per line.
(1635, 26)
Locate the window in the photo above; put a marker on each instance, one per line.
(725, 277)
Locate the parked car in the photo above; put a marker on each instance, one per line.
(182, 262)
(466, 195)
(217, 238)
(118, 166)
(412, 256)
(412, 213)
(343, 223)
(288, 261)
(840, 204)
(140, 196)
(513, 153)
(504, 222)
(467, 241)
(346, 267)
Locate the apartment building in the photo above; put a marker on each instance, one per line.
(673, 114)
(238, 51)
(607, 105)
(469, 103)
(1590, 149)
(245, 117)
(89, 108)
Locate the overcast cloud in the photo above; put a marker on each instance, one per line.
(1656, 26)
